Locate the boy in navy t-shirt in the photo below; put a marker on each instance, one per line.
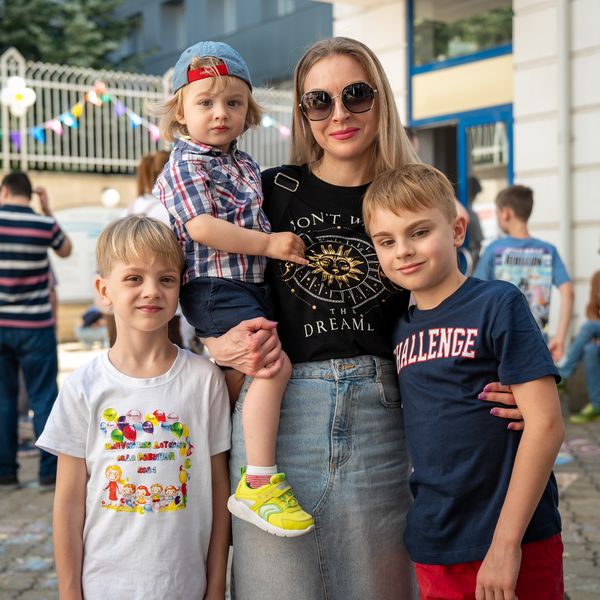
(484, 519)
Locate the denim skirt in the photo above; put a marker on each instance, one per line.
(341, 444)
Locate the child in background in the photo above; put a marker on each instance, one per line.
(213, 193)
(484, 522)
(142, 414)
(533, 265)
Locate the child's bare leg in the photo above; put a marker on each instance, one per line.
(263, 496)
(234, 380)
(260, 415)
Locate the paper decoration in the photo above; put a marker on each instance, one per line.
(97, 95)
(17, 96)
(15, 139)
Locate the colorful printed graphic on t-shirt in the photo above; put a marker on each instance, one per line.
(146, 444)
(530, 269)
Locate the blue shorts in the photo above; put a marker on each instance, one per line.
(214, 305)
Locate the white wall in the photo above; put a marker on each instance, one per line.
(536, 93)
(381, 25)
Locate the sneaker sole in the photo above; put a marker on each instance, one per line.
(241, 511)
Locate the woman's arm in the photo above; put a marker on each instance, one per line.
(252, 347)
(220, 535)
(69, 517)
(538, 448)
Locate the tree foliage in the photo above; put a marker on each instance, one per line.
(76, 32)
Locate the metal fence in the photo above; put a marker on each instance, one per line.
(88, 120)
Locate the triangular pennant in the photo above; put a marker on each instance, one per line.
(154, 132)
(119, 108)
(39, 135)
(15, 138)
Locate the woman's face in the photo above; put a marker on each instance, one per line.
(343, 135)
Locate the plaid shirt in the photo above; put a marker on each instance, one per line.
(198, 180)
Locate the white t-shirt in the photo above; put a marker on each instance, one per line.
(147, 445)
(148, 205)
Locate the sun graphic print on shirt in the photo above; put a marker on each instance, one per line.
(148, 461)
(343, 270)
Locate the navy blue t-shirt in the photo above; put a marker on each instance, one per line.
(463, 456)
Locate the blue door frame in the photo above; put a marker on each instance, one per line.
(485, 116)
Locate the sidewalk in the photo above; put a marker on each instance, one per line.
(27, 568)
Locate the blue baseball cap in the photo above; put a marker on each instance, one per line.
(233, 64)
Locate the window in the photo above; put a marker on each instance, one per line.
(173, 23)
(446, 29)
(133, 43)
(285, 7)
(229, 16)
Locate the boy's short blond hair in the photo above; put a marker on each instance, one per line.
(411, 187)
(168, 110)
(134, 237)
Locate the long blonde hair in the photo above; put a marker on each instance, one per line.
(392, 146)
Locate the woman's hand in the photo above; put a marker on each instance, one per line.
(251, 347)
(498, 393)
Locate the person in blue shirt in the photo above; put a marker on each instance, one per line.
(484, 522)
(533, 265)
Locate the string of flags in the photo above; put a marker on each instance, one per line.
(19, 98)
(97, 95)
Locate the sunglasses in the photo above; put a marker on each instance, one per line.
(356, 97)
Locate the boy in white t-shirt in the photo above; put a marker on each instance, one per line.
(141, 434)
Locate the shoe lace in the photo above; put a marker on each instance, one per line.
(289, 499)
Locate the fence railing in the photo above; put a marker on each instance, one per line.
(90, 120)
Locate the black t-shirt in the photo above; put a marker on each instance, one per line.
(341, 304)
(463, 457)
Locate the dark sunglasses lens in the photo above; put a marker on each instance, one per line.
(358, 97)
(317, 105)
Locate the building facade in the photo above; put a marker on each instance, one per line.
(270, 34)
(501, 91)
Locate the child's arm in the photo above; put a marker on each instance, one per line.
(227, 237)
(539, 446)
(218, 548)
(69, 516)
(557, 343)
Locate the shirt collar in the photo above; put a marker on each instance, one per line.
(200, 148)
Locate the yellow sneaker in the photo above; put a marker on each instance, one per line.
(272, 507)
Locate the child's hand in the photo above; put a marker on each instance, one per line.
(286, 246)
(497, 576)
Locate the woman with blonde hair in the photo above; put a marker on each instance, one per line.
(341, 430)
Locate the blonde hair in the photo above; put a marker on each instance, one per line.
(392, 146)
(169, 110)
(149, 168)
(411, 188)
(134, 237)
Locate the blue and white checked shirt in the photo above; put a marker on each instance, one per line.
(200, 179)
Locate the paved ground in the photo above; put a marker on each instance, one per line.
(27, 569)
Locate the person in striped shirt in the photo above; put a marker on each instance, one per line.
(27, 335)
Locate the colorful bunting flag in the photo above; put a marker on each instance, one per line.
(39, 135)
(15, 138)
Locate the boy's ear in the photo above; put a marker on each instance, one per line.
(102, 289)
(460, 231)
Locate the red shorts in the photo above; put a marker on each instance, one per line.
(540, 576)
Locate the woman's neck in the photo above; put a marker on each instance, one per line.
(345, 173)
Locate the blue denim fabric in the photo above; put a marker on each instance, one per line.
(341, 444)
(213, 305)
(587, 334)
(591, 365)
(34, 350)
